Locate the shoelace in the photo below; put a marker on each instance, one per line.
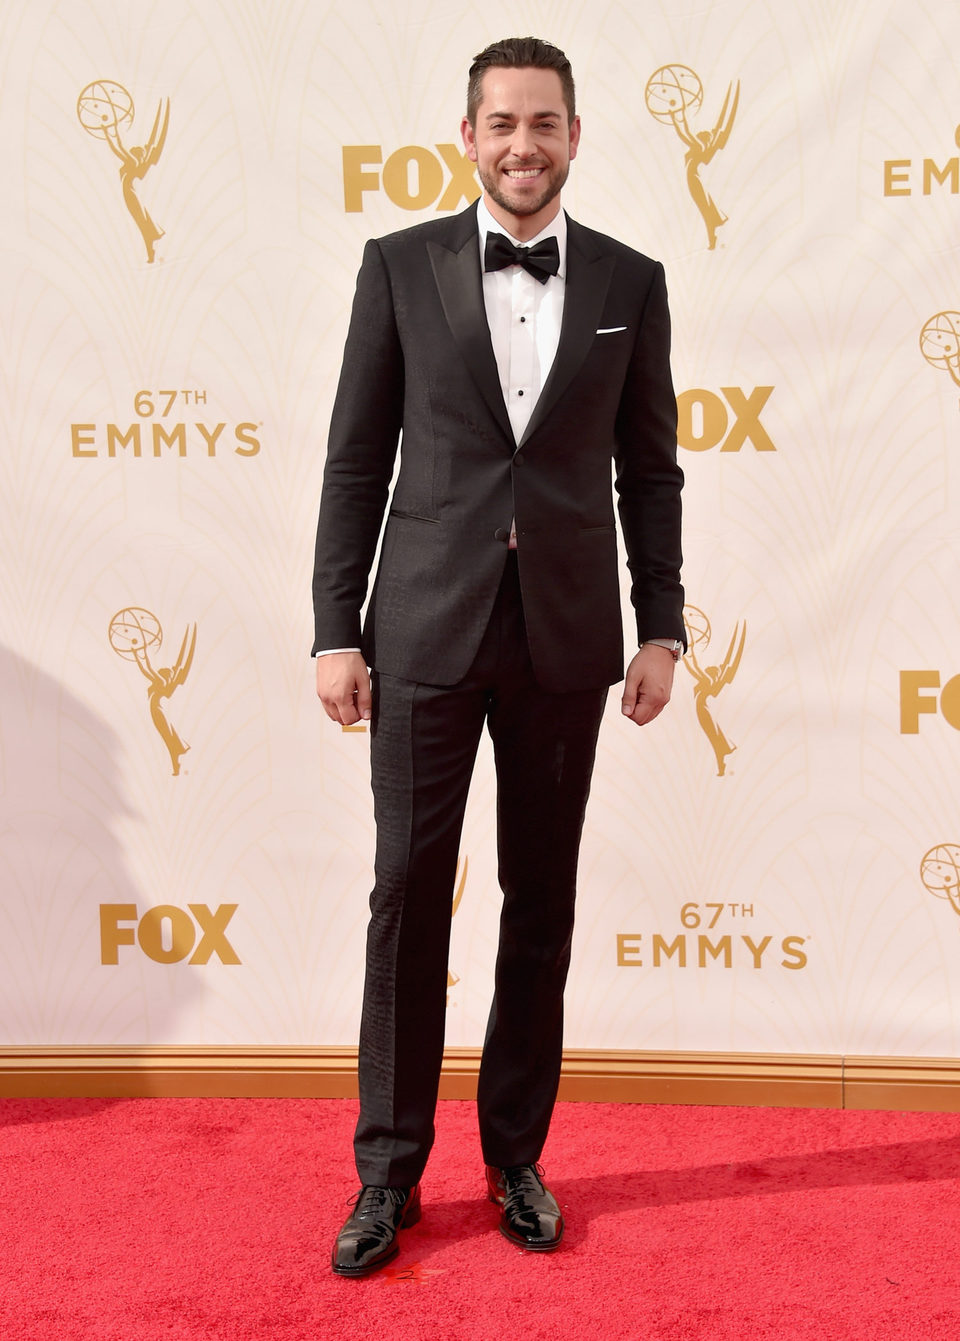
(521, 1181)
(370, 1201)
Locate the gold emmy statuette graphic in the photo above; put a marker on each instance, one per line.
(940, 343)
(134, 632)
(709, 680)
(671, 93)
(459, 887)
(940, 873)
(103, 109)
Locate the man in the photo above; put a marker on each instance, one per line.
(511, 379)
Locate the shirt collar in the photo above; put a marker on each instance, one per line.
(557, 228)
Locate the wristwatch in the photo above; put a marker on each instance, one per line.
(673, 645)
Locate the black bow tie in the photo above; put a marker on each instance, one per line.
(541, 261)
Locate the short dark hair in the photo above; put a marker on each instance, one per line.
(519, 53)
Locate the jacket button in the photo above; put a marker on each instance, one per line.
(517, 459)
(501, 534)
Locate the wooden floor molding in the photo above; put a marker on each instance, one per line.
(928, 1084)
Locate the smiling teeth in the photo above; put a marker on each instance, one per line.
(523, 172)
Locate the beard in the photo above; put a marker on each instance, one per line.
(525, 205)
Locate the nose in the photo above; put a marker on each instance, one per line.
(522, 144)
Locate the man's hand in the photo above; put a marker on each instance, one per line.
(649, 681)
(343, 687)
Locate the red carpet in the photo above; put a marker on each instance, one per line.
(204, 1218)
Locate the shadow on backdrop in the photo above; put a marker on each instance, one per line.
(62, 856)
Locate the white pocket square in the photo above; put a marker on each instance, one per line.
(609, 330)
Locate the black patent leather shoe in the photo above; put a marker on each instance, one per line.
(368, 1240)
(529, 1215)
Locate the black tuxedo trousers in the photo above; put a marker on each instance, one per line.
(424, 743)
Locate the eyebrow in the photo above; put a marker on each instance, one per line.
(511, 116)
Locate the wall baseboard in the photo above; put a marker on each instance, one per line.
(928, 1084)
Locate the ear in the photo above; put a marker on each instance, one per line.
(574, 137)
(469, 139)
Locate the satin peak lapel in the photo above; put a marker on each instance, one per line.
(587, 282)
(457, 274)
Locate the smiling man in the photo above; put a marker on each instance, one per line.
(511, 354)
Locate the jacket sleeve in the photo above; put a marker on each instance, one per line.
(648, 478)
(361, 450)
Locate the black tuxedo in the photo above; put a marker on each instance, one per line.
(458, 633)
(419, 361)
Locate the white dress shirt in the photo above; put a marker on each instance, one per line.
(524, 319)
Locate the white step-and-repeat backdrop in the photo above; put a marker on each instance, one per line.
(186, 840)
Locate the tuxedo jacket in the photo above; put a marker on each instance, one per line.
(419, 373)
